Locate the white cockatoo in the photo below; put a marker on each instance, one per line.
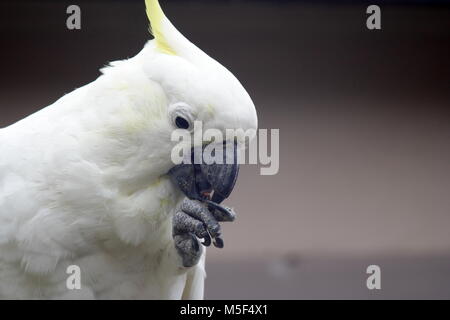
(87, 184)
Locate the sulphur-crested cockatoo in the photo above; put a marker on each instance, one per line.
(88, 189)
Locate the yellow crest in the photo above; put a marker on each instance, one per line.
(156, 17)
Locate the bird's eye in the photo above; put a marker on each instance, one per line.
(181, 116)
(182, 123)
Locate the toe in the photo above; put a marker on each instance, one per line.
(183, 223)
(199, 211)
(188, 248)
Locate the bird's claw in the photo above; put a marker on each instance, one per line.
(198, 220)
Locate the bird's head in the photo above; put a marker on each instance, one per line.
(190, 86)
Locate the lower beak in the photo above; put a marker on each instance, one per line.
(197, 181)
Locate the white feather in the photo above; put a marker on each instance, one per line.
(83, 181)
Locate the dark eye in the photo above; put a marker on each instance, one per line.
(182, 123)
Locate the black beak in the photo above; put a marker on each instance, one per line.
(205, 177)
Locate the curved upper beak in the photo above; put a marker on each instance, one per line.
(213, 173)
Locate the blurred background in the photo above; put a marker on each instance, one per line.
(364, 119)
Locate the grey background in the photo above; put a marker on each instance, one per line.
(364, 125)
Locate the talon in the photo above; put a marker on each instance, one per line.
(207, 240)
(214, 230)
(218, 243)
(221, 213)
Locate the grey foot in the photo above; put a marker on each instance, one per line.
(195, 221)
